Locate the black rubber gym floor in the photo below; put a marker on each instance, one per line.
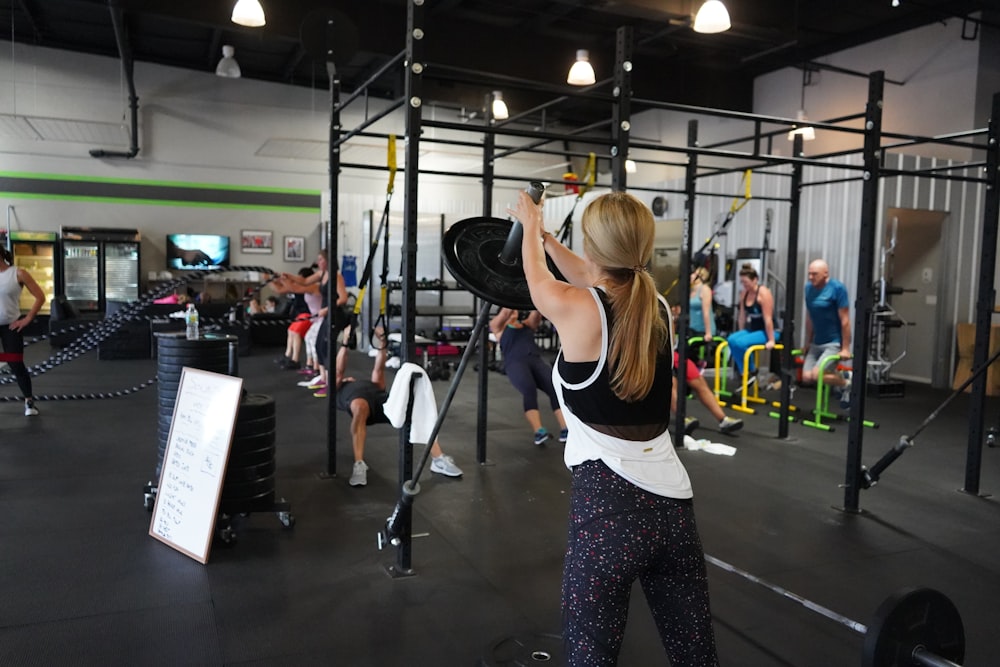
(81, 581)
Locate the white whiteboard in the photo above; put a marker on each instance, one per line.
(194, 461)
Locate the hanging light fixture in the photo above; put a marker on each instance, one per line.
(228, 67)
(807, 131)
(712, 17)
(499, 106)
(248, 13)
(582, 72)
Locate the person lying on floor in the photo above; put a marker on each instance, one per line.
(363, 400)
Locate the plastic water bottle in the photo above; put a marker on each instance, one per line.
(191, 320)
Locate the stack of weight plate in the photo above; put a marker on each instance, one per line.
(174, 352)
(249, 481)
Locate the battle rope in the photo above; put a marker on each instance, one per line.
(93, 333)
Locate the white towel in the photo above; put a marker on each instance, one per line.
(424, 404)
(708, 446)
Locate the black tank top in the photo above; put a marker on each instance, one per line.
(754, 314)
(603, 410)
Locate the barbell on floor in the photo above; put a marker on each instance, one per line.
(914, 627)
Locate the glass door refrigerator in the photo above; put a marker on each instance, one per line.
(36, 252)
(99, 265)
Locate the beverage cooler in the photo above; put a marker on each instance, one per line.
(36, 253)
(99, 265)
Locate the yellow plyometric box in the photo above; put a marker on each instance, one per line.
(966, 348)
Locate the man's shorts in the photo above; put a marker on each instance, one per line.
(370, 392)
(817, 352)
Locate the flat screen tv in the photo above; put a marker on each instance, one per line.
(197, 251)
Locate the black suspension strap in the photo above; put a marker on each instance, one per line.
(565, 230)
(734, 208)
(366, 273)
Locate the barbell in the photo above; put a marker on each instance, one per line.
(914, 627)
(484, 256)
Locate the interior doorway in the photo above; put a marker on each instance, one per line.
(916, 266)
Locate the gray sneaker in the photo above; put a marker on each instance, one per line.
(445, 465)
(730, 425)
(845, 392)
(359, 476)
(29, 407)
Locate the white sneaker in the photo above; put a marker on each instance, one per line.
(359, 476)
(445, 465)
(29, 407)
(310, 382)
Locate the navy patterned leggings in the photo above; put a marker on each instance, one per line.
(13, 343)
(617, 533)
(528, 375)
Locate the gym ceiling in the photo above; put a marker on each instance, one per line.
(532, 40)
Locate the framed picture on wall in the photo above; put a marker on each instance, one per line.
(257, 241)
(295, 248)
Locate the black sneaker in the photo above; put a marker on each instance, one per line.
(690, 424)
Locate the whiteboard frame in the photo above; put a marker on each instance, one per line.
(228, 389)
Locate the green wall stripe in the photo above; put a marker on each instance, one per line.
(136, 181)
(154, 193)
(160, 202)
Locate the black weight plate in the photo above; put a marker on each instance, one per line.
(263, 502)
(471, 252)
(521, 651)
(236, 491)
(254, 426)
(248, 443)
(255, 406)
(252, 457)
(909, 618)
(183, 357)
(191, 347)
(238, 474)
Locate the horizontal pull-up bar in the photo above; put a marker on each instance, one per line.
(395, 60)
(533, 146)
(758, 135)
(441, 72)
(529, 134)
(551, 103)
(371, 121)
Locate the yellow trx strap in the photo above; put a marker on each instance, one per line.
(367, 272)
(590, 177)
(737, 203)
(391, 161)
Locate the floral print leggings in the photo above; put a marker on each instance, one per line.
(617, 533)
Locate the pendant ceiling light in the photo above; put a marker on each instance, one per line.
(249, 13)
(807, 131)
(499, 106)
(228, 67)
(582, 72)
(712, 17)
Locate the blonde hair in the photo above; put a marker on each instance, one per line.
(618, 232)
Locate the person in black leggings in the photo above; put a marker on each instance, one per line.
(524, 366)
(12, 323)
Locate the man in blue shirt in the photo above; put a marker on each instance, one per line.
(828, 328)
